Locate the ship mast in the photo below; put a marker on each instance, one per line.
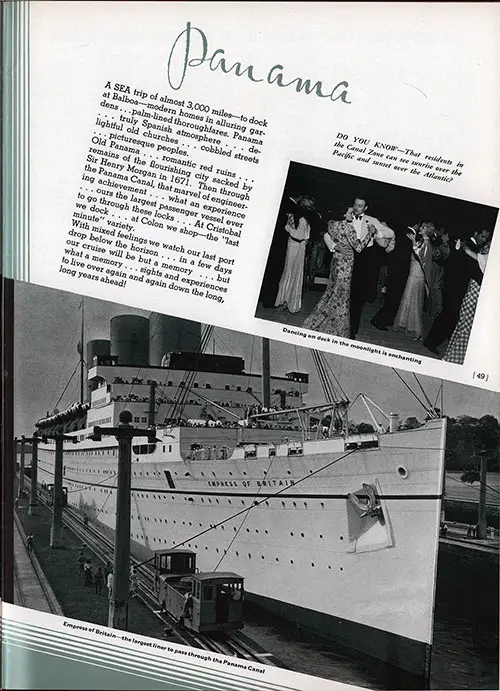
(266, 374)
(82, 362)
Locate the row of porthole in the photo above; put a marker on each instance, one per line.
(313, 565)
(189, 523)
(266, 503)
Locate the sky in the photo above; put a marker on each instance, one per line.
(47, 326)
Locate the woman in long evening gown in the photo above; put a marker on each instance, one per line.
(411, 308)
(457, 345)
(298, 228)
(332, 313)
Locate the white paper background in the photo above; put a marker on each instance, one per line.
(420, 75)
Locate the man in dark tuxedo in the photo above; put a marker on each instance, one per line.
(459, 268)
(398, 267)
(368, 262)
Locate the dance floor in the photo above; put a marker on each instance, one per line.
(367, 333)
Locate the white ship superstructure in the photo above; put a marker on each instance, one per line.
(338, 531)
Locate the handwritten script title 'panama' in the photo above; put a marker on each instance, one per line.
(181, 58)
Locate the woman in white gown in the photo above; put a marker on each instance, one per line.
(298, 228)
(411, 309)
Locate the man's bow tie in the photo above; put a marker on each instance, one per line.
(358, 216)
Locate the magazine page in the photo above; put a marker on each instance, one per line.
(198, 165)
(250, 406)
(297, 518)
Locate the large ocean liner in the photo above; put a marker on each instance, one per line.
(333, 529)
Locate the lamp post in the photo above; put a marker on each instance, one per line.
(56, 528)
(124, 433)
(34, 475)
(34, 468)
(482, 524)
(20, 488)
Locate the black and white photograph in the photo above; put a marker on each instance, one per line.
(383, 264)
(253, 498)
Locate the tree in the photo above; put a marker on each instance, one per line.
(364, 428)
(471, 475)
(467, 437)
(410, 423)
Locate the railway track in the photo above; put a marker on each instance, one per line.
(233, 644)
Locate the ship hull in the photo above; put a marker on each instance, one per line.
(289, 525)
(406, 661)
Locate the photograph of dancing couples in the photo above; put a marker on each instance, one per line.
(376, 262)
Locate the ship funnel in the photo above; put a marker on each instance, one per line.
(99, 348)
(393, 422)
(130, 339)
(171, 334)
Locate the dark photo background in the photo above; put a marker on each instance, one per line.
(397, 206)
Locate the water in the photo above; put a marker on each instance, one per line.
(465, 650)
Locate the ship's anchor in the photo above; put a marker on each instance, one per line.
(370, 507)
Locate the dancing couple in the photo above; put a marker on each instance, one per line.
(357, 244)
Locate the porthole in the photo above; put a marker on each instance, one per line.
(312, 563)
(291, 561)
(341, 568)
(402, 472)
(262, 556)
(341, 537)
(321, 537)
(302, 535)
(291, 534)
